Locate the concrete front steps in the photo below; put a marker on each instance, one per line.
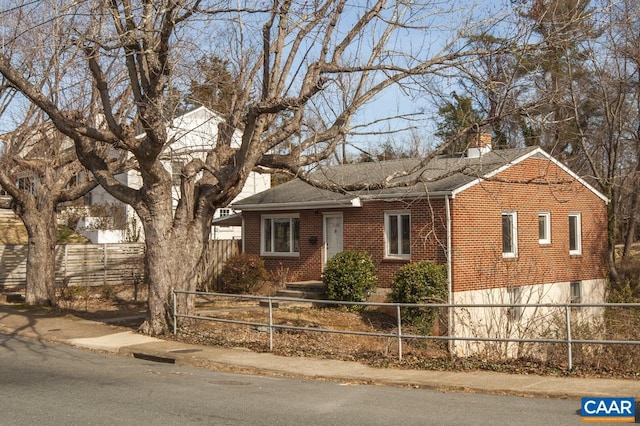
(298, 290)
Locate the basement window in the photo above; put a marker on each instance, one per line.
(514, 313)
(575, 292)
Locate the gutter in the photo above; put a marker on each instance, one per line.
(419, 194)
(328, 204)
(354, 202)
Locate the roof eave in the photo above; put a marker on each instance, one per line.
(234, 219)
(412, 195)
(307, 205)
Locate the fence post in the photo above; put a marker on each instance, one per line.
(270, 325)
(399, 333)
(568, 319)
(64, 278)
(175, 314)
(104, 265)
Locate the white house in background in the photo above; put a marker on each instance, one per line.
(193, 135)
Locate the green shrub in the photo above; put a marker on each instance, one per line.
(420, 282)
(350, 276)
(243, 273)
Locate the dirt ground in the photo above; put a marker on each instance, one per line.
(119, 305)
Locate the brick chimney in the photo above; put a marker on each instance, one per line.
(478, 144)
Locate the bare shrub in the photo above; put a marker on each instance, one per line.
(627, 288)
(243, 273)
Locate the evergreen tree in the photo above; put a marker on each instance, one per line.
(214, 86)
(458, 117)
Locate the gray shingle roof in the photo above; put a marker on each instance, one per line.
(440, 175)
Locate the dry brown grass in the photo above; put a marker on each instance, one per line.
(320, 342)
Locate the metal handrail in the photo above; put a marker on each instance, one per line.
(568, 340)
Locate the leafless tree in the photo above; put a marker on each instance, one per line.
(576, 96)
(305, 72)
(609, 137)
(624, 39)
(39, 168)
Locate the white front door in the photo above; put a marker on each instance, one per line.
(332, 235)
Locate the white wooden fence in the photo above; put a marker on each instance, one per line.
(79, 264)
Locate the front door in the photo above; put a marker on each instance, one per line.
(332, 235)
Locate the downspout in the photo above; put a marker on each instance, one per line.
(242, 236)
(449, 274)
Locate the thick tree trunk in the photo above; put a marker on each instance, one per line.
(42, 231)
(170, 266)
(173, 252)
(160, 286)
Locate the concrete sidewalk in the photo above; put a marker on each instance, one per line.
(100, 336)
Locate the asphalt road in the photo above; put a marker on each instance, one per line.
(48, 384)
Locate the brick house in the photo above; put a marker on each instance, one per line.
(513, 226)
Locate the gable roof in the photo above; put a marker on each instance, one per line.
(442, 176)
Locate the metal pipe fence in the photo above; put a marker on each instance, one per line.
(568, 339)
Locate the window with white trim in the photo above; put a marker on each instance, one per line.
(223, 212)
(509, 234)
(397, 233)
(544, 228)
(280, 235)
(575, 234)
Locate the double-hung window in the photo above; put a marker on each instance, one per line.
(509, 234)
(544, 228)
(575, 234)
(397, 232)
(280, 235)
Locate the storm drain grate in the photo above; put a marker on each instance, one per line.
(154, 358)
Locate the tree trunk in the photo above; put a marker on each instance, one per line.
(42, 231)
(171, 262)
(160, 286)
(631, 229)
(611, 240)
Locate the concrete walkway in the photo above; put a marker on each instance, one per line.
(104, 337)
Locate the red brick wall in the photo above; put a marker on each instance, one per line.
(307, 266)
(363, 230)
(477, 229)
(476, 232)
